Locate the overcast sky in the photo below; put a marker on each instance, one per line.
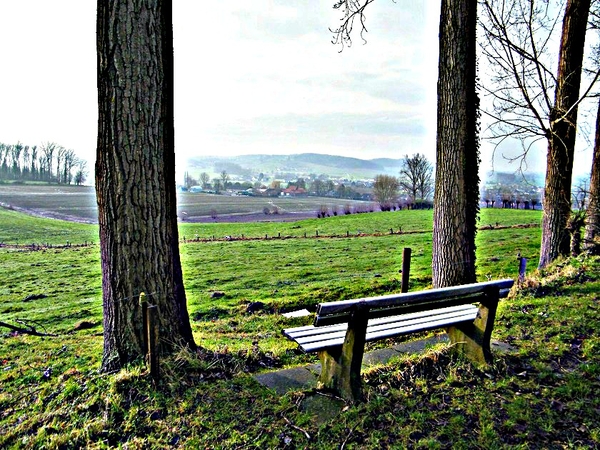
(256, 76)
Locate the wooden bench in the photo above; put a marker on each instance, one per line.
(342, 328)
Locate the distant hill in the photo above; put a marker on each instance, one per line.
(297, 164)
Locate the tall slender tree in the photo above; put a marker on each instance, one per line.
(135, 178)
(456, 198)
(34, 170)
(518, 39)
(592, 221)
(563, 130)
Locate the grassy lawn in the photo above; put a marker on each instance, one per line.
(540, 395)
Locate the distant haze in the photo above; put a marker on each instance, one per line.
(304, 164)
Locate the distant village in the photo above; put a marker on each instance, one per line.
(281, 186)
(498, 190)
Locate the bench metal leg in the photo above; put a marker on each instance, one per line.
(340, 366)
(473, 340)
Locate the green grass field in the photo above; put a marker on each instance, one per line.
(52, 396)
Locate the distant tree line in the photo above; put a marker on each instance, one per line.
(49, 162)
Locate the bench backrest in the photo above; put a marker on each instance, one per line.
(395, 304)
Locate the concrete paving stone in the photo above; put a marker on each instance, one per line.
(322, 408)
(383, 356)
(283, 381)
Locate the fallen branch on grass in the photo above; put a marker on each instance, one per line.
(28, 329)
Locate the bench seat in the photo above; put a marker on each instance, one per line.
(314, 339)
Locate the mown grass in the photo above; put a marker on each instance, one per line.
(541, 395)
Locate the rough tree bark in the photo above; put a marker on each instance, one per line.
(563, 129)
(457, 170)
(135, 178)
(592, 223)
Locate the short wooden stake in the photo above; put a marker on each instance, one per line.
(153, 341)
(405, 269)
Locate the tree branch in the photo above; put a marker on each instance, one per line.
(353, 9)
(28, 330)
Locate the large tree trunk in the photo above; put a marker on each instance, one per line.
(592, 223)
(135, 178)
(563, 128)
(457, 169)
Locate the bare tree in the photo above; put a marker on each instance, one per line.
(34, 155)
(592, 223)
(46, 158)
(16, 156)
(81, 172)
(60, 156)
(204, 180)
(69, 162)
(3, 159)
(416, 177)
(591, 241)
(26, 155)
(518, 35)
(385, 190)
(224, 179)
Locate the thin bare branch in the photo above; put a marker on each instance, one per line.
(352, 10)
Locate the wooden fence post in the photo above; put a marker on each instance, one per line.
(152, 312)
(405, 269)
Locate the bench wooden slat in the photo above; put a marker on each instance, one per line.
(383, 301)
(320, 338)
(402, 309)
(399, 331)
(309, 330)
